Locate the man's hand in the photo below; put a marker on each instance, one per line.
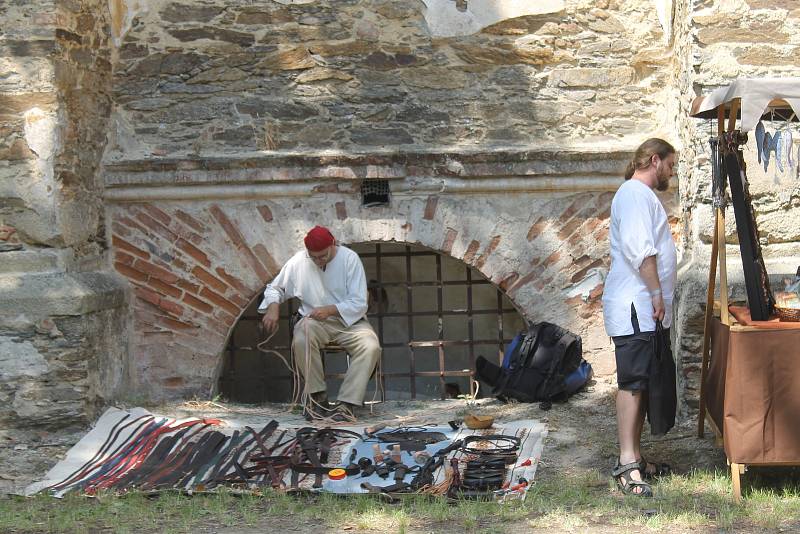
(270, 319)
(323, 312)
(658, 307)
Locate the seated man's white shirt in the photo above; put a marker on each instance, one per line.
(639, 229)
(342, 283)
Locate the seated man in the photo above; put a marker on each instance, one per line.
(330, 282)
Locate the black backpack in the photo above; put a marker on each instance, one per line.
(544, 363)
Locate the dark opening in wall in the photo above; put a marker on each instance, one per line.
(433, 315)
(374, 193)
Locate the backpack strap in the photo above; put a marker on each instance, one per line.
(563, 344)
(530, 346)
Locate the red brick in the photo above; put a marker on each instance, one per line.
(597, 292)
(180, 264)
(225, 318)
(238, 240)
(239, 300)
(487, 252)
(163, 288)
(156, 227)
(449, 239)
(217, 327)
(472, 249)
(219, 300)
(174, 324)
(124, 245)
(568, 228)
(198, 255)
(147, 295)
(406, 227)
(513, 288)
(266, 258)
(157, 214)
(155, 271)
(430, 208)
(580, 275)
(233, 281)
(265, 212)
(582, 262)
(190, 221)
(572, 209)
(326, 188)
(173, 382)
(551, 259)
(123, 257)
(195, 239)
(341, 211)
(210, 279)
(130, 272)
(188, 286)
(143, 315)
(197, 303)
(130, 223)
(169, 306)
(508, 281)
(537, 228)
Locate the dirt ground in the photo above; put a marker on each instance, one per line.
(581, 438)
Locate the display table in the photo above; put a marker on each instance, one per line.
(751, 392)
(748, 368)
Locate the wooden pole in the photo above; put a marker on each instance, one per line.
(712, 282)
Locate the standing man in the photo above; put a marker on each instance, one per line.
(638, 292)
(330, 282)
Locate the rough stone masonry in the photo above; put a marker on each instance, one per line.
(160, 160)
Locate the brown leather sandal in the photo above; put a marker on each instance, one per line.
(622, 475)
(658, 470)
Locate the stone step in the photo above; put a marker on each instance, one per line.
(35, 260)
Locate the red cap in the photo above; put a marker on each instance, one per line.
(318, 238)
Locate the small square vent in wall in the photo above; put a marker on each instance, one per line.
(374, 193)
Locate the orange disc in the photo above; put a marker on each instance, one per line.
(337, 474)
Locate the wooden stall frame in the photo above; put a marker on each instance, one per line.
(718, 257)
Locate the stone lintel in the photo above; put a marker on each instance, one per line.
(299, 167)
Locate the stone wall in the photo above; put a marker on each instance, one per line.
(225, 111)
(204, 78)
(62, 328)
(725, 41)
(226, 127)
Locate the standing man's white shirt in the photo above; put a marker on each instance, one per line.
(342, 284)
(639, 229)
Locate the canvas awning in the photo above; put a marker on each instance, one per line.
(767, 98)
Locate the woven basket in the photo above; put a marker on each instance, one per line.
(788, 314)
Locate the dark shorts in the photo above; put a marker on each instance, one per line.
(633, 354)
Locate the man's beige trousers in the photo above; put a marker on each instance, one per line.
(360, 342)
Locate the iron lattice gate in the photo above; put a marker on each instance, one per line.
(432, 311)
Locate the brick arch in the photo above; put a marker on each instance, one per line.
(195, 266)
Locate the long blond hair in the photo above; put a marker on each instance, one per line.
(641, 159)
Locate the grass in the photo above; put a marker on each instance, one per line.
(700, 500)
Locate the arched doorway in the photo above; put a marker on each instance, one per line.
(433, 314)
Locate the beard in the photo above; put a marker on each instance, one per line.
(663, 178)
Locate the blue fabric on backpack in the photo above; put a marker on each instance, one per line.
(510, 349)
(578, 378)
